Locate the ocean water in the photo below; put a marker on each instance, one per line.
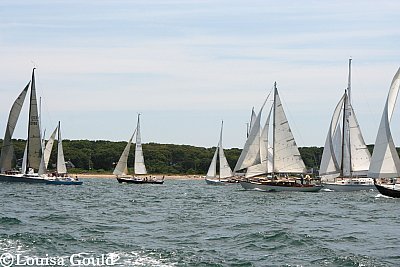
(189, 223)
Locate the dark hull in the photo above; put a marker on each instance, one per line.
(278, 187)
(21, 179)
(133, 181)
(387, 191)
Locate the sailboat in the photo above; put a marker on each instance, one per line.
(60, 177)
(33, 168)
(225, 175)
(278, 164)
(345, 160)
(385, 162)
(121, 169)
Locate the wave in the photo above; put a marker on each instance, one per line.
(9, 221)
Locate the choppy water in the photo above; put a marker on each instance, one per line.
(189, 223)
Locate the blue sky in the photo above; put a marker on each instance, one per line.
(186, 65)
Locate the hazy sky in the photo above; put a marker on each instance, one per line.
(186, 65)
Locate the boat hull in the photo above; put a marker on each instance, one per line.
(136, 181)
(22, 179)
(219, 182)
(347, 188)
(348, 185)
(387, 191)
(278, 188)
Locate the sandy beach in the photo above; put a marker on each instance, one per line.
(167, 177)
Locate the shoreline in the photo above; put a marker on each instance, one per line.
(166, 177)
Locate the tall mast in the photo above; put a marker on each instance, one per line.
(273, 132)
(346, 128)
(219, 149)
(348, 114)
(344, 132)
(29, 122)
(349, 82)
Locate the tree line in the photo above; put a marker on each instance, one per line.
(101, 156)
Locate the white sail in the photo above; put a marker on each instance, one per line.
(250, 155)
(265, 153)
(7, 150)
(48, 148)
(252, 120)
(122, 165)
(286, 155)
(61, 167)
(139, 166)
(330, 163)
(360, 156)
(346, 162)
(25, 158)
(224, 168)
(385, 161)
(212, 170)
(34, 139)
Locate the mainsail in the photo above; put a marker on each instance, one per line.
(34, 151)
(7, 151)
(385, 160)
(139, 166)
(61, 167)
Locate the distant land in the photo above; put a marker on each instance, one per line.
(100, 156)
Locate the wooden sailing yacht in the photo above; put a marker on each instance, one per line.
(33, 165)
(140, 173)
(345, 160)
(280, 163)
(225, 175)
(385, 162)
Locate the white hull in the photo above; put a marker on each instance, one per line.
(348, 185)
(214, 181)
(278, 188)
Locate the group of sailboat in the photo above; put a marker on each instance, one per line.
(140, 173)
(346, 163)
(35, 159)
